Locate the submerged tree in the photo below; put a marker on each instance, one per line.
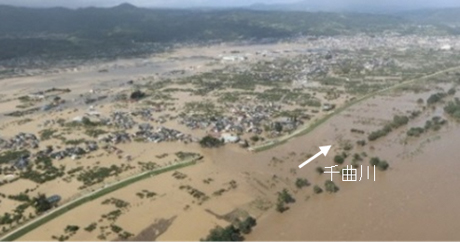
(299, 183)
(41, 204)
(246, 225)
(210, 142)
(317, 189)
(228, 233)
(331, 187)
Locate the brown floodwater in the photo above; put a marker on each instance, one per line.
(416, 199)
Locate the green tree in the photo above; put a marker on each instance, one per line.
(299, 183)
(278, 127)
(331, 187)
(317, 189)
(210, 142)
(339, 159)
(41, 204)
(374, 161)
(383, 165)
(280, 207)
(285, 197)
(320, 170)
(246, 225)
(137, 95)
(228, 233)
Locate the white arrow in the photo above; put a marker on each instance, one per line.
(324, 150)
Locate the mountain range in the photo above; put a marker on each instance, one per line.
(93, 31)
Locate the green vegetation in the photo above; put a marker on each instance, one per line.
(205, 108)
(339, 159)
(24, 121)
(146, 194)
(453, 108)
(117, 202)
(229, 233)
(22, 112)
(91, 227)
(311, 103)
(46, 134)
(434, 98)
(41, 204)
(255, 138)
(331, 187)
(246, 225)
(210, 142)
(320, 170)
(232, 232)
(75, 141)
(116, 229)
(185, 155)
(284, 197)
(398, 121)
(11, 155)
(195, 193)
(148, 166)
(383, 165)
(301, 182)
(137, 95)
(415, 131)
(21, 197)
(45, 171)
(95, 132)
(71, 228)
(434, 124)
(380, 164)
(98, 174)
(374, 161)
(317, 189)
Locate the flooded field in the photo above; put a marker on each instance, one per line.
(398, 125)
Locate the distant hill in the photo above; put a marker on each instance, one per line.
(447, 16)
(333, 6)
(414, 13)
(127, 29)
(95, 31)
(159, 25)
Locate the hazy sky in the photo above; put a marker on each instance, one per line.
(222, 3)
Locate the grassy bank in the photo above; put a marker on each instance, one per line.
(307, 129)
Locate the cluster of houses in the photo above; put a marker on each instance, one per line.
(115, 138)
(122, 120)
(73, 152)
(143, 114)
(22, 162)
(147, 133)
(242, 119)
(20, 141)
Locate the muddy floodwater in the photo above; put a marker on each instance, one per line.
(416, 199)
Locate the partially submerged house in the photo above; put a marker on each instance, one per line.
(328, 107)
(54, 200)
